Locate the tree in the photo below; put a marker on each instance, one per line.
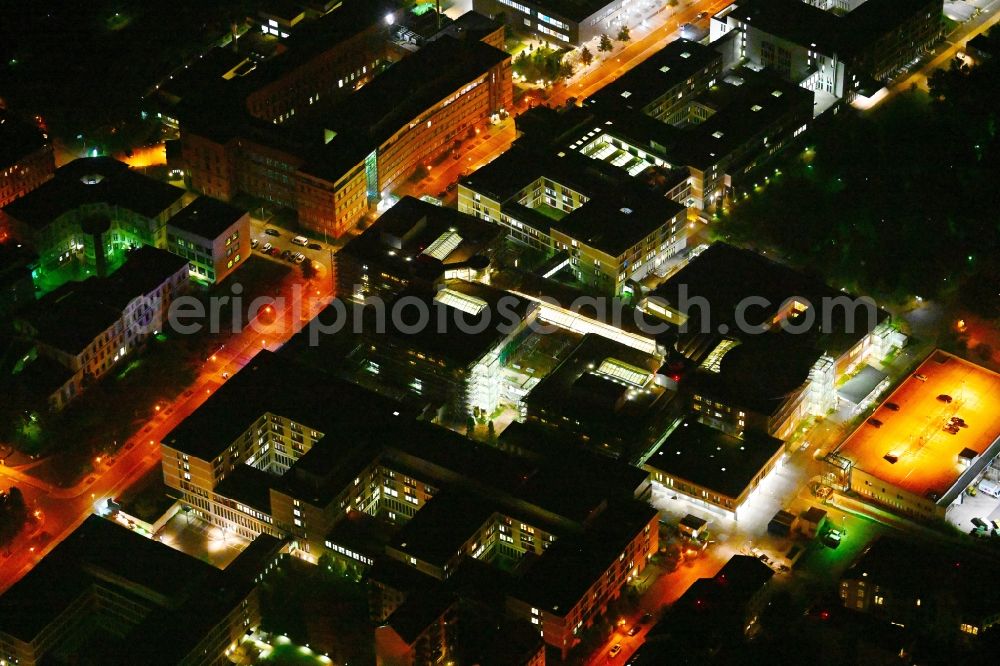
(623, 34)
(491, 433)
(470, 427)
(308, 269)
(605, 45)
(586, 57)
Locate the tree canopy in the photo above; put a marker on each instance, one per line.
(899, 202)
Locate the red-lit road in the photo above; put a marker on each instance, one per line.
(65, 509)
(645, 42)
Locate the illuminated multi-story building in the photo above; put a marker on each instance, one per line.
(120, 597)
(26, 158)
(712, 468)
(213, 236)
(267, 454)
(612, 231)
(840, 50)
(766, 344)
(51, 219)
(91, 326)
(455, 360)
(334, 168)
(922, 587)
(415, 243)
(562, 22)
(612, 397)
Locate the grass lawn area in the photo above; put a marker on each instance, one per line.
(550, 212)
(287, 654)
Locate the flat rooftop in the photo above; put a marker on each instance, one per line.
(207, 217)
(70, 317)
(467, 320)
(615, 224)
(18, 139)
(712, 459)
(805, 24)
(414, 232)
(926, 456)
(93, 180)
(272, 384)
(656, 75)
(725, 276)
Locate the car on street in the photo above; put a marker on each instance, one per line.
(832, 538)
(615, 649)
(254, 243)
(315, 246)
(272, 232)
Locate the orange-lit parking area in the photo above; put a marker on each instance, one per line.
(930, 432)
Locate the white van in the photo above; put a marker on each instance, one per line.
(301, 240)
(989, 488)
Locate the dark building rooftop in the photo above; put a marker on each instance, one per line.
(419, 612)
(476, 318)
(725, 276)
(616, 223)
(369, 117)
(713, 459)
(93, 180)
(608, 389)
(568, 568)
(206, 217)
(416, 238)
(805, 24)
(438, 531)
(70, 317)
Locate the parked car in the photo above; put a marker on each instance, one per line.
(315, 246)
(875, 422)
(634, 630)
(451, 187)
(920, 377)
(286, 255)
(299, 257)
(274, 252)
(648, 617)
(268, 247)
(891, 406)
(615, 649)
(301, 240)
(254, 243)
(945, 398)
(272, 232)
